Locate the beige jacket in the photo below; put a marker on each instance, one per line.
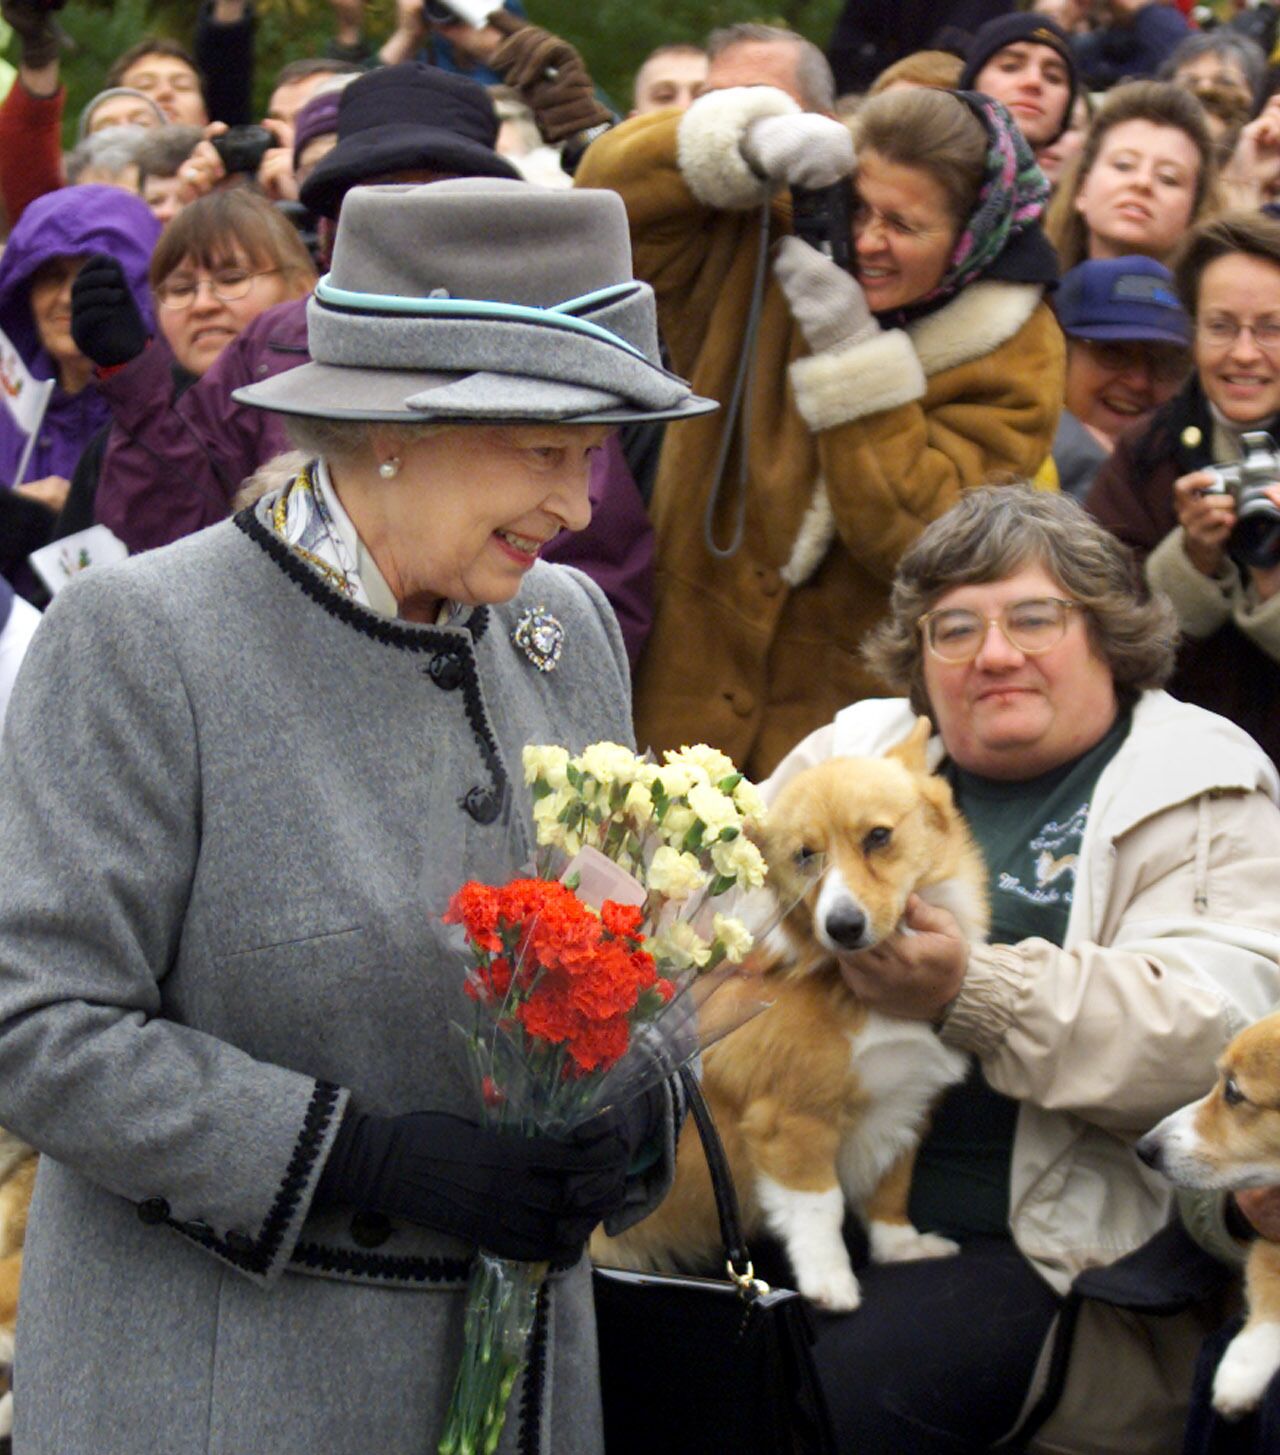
(1171, 948)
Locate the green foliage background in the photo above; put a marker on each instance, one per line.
(613, 35)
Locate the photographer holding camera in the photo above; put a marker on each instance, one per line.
(1197, 492)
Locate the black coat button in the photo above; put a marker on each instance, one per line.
(482, 804)
(239, 1242)
(153, 1210)
(446, 671)
(370, 1229)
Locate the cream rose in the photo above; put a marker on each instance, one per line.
(638, 804)
(750, 805)
(711, 760)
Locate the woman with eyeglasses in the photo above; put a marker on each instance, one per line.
(1128, 352)
(221, 262)
(1131, 936)
(1156, 496)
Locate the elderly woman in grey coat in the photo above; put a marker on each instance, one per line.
(240, 776)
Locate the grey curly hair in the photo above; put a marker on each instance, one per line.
(997, 530)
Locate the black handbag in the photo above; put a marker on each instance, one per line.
(705, 1364)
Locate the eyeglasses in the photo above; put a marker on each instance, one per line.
(1167, 365)
(1221, 333)
(229, 286)
(1032, 627)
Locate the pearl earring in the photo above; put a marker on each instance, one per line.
(389, 469)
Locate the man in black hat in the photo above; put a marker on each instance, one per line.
(181, 463)
(1025, 62)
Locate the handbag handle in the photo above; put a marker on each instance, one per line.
(738, 1259)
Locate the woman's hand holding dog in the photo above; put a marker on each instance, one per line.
(916, 973)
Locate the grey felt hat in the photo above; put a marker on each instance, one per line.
(479, 299)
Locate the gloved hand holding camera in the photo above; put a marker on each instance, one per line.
(529, 1198)
(826, 301)
(799, 149)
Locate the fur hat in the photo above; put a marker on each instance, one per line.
(481, 299)
(407, 117)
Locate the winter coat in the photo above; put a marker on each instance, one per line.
(870, 35)
(1170, 949)
(234, 935)
(74, 221)
(174, 466)
(1229, 657)
(849, 456)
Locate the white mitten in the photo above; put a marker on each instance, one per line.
(800, 150)
(827, 303)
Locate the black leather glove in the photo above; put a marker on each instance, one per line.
(105, 321)
(529, 1198)
(33, 23)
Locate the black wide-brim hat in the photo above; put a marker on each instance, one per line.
(481, 300)
(410, 117)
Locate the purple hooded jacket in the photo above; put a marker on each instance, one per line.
(173, 466)
(71, 222)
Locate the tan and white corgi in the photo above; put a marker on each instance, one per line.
(820, 1101)
(1230, 1140)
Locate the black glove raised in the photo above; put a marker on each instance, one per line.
(105, 321)
(33, 23)
(528, 1198)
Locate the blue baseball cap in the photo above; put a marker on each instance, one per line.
(1124, 299)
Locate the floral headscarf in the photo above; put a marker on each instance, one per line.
(1012, 198)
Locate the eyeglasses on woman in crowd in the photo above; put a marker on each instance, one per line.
(954, 634)
(228, 285)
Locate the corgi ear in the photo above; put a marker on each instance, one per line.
(912, 750)
(939, 800)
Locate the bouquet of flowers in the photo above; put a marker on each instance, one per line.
(594, 977)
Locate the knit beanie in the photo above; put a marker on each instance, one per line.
(318, 117)
(1023, 27)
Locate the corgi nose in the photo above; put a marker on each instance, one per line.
(847, 926)
(1148, 1150)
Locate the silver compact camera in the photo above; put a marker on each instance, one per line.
(1255, 541)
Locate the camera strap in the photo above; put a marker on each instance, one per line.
(739, 405)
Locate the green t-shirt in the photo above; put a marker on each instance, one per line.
(1030, 834)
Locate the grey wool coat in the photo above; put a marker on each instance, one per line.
(231, 803)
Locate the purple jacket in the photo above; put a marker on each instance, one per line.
(174, 466)
(73, 221)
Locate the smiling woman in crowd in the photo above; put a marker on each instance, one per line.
(222, 261)
(1154, 494)
(1145, 174)
(876, 398)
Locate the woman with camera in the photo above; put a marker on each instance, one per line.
(1159, 495)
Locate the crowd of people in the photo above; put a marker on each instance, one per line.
(937, 372)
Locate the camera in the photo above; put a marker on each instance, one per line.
(242, 148)
(460, 12)
(1255, 541)
(823, 217)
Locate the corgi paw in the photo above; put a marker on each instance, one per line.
(1246, 1369)
(901, 1243)
(836, 1290)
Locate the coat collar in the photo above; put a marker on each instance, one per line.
(977, 321)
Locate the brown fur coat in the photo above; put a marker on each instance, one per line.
(850, 453)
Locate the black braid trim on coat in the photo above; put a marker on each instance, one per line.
(400, 1269)
(390, 633)
(259, 1254)
(535, 1374)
